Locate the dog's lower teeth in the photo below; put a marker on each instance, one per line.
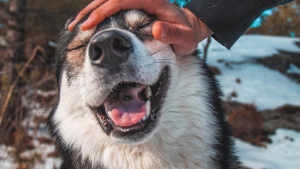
(144, 118)
(109, 113)
(148, 108)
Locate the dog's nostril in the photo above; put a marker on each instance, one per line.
(96, 52)
(121, 45)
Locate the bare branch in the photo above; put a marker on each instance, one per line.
(11, 88)
(206, 48)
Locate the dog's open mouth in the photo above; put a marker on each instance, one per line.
(131, 109)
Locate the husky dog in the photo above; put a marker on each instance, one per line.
(127, 101)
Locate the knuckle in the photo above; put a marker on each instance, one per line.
(82, 12)
(117, 2)
(95, 15)
(160, 2)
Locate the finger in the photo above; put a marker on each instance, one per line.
(93, 5)
(113, 6)
(166, 11)
(99, 14)
(182, 38)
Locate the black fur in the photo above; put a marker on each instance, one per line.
(225, 146)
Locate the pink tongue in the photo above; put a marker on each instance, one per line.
(125, 108)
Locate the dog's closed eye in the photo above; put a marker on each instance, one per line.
(145, 23)
(76, 46)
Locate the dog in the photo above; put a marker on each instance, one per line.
(127, 101)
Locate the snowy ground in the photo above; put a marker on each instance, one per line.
(263, 87)
(38, 155)
(283, 153)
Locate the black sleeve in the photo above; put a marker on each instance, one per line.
(229, 19)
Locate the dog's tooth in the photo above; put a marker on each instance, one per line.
(108, 113)
(148, 108)
(144, 118)
(148, 92)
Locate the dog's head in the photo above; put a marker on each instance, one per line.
(120, 86)
(112, 79)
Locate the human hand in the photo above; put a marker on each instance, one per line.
(175, 26)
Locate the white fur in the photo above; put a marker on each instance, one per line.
(132, 17)
(185, 132)
(83, 35)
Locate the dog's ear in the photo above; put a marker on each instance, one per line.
(68, 23)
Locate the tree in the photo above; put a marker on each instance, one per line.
(26, 24)
(13, 17)
(284, 21)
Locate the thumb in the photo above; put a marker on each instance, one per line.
(181, 37)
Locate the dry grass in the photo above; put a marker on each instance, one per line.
(247, 124)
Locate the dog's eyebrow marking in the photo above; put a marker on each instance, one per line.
(76, 58)
(81, 38)
(132, 17)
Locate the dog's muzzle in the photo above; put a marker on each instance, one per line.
(119, 64)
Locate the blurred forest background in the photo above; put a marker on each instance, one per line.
(28, 33)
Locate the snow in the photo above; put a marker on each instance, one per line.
(261, 86)
(35, 130)
(2, 40)
(293, 69)
(283, 152)
(251, 46)
(264, 88)
(8, 162)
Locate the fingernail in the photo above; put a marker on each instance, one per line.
(163, 31)
(70, 27)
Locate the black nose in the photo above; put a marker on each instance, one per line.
(109, 49)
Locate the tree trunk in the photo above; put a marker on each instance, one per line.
(14, 19)
(15, 36)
